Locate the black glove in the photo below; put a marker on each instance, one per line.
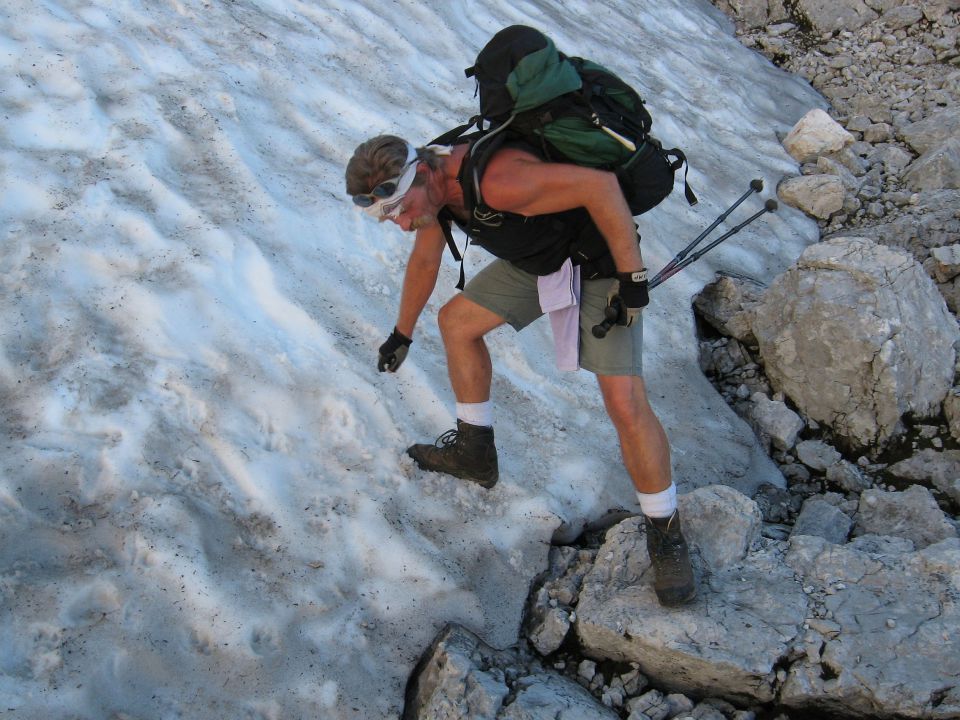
(393, 352)
(634, 295)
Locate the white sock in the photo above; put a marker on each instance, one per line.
(476, 413)
(660, 504)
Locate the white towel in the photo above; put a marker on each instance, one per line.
(559, 295)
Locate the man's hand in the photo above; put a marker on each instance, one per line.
(634, 295)
(393, 352)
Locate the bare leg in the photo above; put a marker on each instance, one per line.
(463, 324)
(643, 443)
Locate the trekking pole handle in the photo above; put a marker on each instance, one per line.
(610, 314)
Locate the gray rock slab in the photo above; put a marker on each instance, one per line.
(867, 630)
(548, 696)
(729, 640)
(894, 651)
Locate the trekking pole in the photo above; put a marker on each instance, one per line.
(768, 206)
(612, 312)
(756, 186)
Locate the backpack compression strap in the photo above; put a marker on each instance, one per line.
(679, 160)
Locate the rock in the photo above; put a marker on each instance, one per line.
(946, 262)
(449, 684)
(776, 504)
(941, 468)
(878, 133)
(548, 634)
(547, 696)
(725, 304)
(936, 169)
(735, 645)
(818, 517)
(912, 514)
(951, 409)
(857, 335)
(894, 159)
(752, 13)
(773, 421)
(815, 134)
(460, 678)
(931, 132)
(829, 166)
(817, 455)
(817, 195)
(847, 477)
(902, 17)
(894, 643)
(862, 630)
(828, 16)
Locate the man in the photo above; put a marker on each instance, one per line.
(520, 210)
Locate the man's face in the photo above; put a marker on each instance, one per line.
(416, 210)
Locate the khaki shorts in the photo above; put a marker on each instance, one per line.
(512, 294)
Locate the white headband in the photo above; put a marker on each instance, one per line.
(390, 206)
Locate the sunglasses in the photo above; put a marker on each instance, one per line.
(381, 192)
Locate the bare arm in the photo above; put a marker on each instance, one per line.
(518, 182)
(420, 277)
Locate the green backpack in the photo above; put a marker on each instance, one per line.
(572, 110)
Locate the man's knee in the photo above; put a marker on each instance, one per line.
(462, 319)
(450, 317)
(628, 407)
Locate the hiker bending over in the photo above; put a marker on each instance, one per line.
(533, 215)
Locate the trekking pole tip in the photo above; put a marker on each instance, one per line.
(756, 185)
(771, 205)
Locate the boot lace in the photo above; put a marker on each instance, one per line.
(450, 437)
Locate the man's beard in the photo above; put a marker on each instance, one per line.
(423, 221)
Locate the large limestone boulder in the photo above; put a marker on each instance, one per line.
(867, 629)
(857, 335)
(816, 134)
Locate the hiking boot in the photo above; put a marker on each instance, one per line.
(673, 581)
(467, 453)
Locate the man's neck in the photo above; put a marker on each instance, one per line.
(453, 194)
